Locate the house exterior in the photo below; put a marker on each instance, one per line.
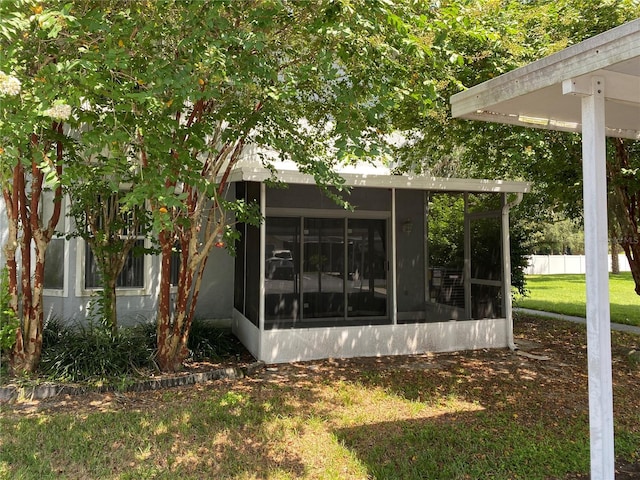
(420, 264)
(71, 280)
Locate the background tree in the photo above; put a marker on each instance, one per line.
(475, 42)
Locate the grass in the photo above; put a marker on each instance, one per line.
(566, 294)
(485, 414)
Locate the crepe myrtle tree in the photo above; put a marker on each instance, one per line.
(173, 94)
(309, 82)
(33, 109)
(111, 230)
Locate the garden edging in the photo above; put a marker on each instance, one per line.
(47, 390)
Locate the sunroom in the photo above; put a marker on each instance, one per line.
(420, 264)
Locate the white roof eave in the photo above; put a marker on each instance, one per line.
(542, 94)
(253, 174)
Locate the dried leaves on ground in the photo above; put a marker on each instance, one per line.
(545, 383)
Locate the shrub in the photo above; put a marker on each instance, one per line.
(209, 341)
(91, 352)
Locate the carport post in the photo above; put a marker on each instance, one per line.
(597, 279)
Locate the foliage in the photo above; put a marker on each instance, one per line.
(173, 94)
(92, 352)
(34, 93)
(89, 353)
(9, 322)
(488, 38)
(208, 341)
(561, 237)
(446, 231)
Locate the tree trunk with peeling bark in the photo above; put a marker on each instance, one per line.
(174, 325)
(204, 227)
(26, 231)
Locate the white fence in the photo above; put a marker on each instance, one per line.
(551, 264)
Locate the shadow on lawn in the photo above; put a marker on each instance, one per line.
(463, 445)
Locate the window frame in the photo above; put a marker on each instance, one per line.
(83, 291)
(64, 220)
(346, 319)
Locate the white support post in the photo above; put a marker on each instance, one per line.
(466, 277)
(597, 277)
(394, 261)
(263, 260)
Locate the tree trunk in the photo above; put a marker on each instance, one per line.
(109, 298)
(624, 198)
(174, 327)
(23, 210)
(10, 249)
(632, 251)
(615, 263)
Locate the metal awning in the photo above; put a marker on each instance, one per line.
(592, 87)
(547, 93)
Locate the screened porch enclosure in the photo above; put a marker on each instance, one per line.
(324, 266)
(419, 264)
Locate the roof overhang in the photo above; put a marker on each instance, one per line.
(547, 93)
(370, 180)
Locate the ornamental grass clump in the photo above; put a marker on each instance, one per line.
(92, 353)
(208, 341)
(85, 353)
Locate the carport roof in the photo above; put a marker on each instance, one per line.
(547, 93)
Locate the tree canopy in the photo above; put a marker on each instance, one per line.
(159, 101)
(141, 109)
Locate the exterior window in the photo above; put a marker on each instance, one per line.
(282, 269)
(324, 268)
(54, 266)
(367, 268)
(131, 276)
(174, 271)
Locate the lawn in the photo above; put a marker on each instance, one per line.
(566, 294)
(462, 415)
